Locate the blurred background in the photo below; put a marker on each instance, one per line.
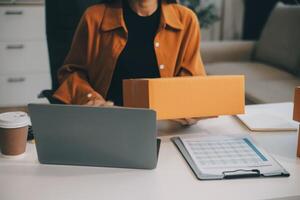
(256, 38)
(233, 19)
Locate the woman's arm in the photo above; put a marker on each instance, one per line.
(73, 75)
(192, 64)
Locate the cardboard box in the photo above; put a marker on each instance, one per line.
(297, 104)
(187, 97)
(297, 114)
(298, 151)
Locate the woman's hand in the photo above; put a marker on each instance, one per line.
(190, 121)
(99, 102)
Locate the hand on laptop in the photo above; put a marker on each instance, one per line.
(190, 121)
(99, 102)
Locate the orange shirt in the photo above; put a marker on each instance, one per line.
(100, 38)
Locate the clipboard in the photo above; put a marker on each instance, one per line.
(232, 173)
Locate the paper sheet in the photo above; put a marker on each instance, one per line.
(228, 153)
(267, 122)
(269, 117)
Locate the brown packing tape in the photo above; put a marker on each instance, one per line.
(187, 97)
(297, 104)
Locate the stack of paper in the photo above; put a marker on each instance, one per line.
(260, 118)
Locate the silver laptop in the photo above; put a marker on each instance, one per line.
(95, 136)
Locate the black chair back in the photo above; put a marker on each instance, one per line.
(62, 17)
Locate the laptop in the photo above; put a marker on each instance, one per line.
(95, 136)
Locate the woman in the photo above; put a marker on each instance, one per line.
(129, 39)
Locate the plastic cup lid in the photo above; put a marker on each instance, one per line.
(14, 120)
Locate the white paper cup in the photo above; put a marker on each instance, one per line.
(13, 133)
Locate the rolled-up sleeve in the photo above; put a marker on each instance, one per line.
(73, 75)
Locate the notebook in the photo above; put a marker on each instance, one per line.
(263, 119)
(227, 157)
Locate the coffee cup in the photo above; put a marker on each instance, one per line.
(13, 133)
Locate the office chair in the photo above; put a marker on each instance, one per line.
(62, 18)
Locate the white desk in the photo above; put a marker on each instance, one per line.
(173, 179)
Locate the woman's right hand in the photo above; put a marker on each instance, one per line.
(99, 102)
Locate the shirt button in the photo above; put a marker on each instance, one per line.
(161, 66)
(156, 44)
(89, 95)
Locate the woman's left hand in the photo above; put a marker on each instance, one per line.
(190, 121)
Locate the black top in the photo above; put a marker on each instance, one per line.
(138, 59)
